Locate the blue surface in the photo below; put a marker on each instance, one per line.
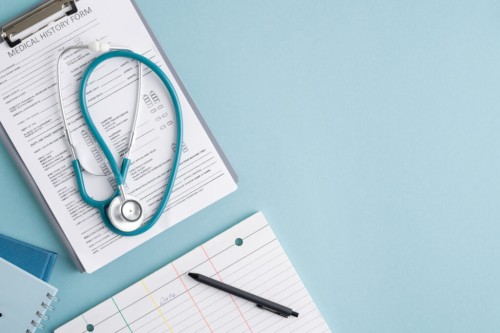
(366, 131)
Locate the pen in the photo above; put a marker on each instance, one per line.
(261, 302)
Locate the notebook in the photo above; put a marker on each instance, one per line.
(170, 301)
(31, 128)
(33, 259)
(24, 300)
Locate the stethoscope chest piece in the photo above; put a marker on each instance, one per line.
(125, 215)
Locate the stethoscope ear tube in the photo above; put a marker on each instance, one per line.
(120, 173)
(81, 187)
(99, 204)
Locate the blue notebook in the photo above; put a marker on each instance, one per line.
(32, 259)
(24, 300)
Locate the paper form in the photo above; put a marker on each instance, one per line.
(170, 301)
(31, 116)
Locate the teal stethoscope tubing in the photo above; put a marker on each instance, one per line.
(121, 173)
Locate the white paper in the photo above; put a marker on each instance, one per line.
(170, 301)
(31, 116)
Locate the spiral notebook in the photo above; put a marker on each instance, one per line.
(24, 300)
(246, 256)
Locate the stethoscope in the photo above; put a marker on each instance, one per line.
(122, 213)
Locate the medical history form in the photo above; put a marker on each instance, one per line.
(32, 129)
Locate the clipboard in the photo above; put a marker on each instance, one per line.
(38, 18)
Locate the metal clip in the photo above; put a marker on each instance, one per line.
(271, 310)
(36, 16)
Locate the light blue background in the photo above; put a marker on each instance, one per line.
(366, 131)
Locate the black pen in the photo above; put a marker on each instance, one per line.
(261, 302)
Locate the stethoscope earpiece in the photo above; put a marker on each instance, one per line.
(100, 46)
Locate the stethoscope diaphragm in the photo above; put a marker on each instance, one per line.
(125, 215)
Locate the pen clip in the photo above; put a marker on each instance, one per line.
(271, 310)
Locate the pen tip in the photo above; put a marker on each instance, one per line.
(193, 275)
(295, 314)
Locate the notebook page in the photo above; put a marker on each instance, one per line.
(170, 301)
(21, 297)
(31, 115)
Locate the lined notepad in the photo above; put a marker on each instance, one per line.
(170, 301)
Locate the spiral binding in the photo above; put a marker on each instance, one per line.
(52, 297)
(36, 324)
